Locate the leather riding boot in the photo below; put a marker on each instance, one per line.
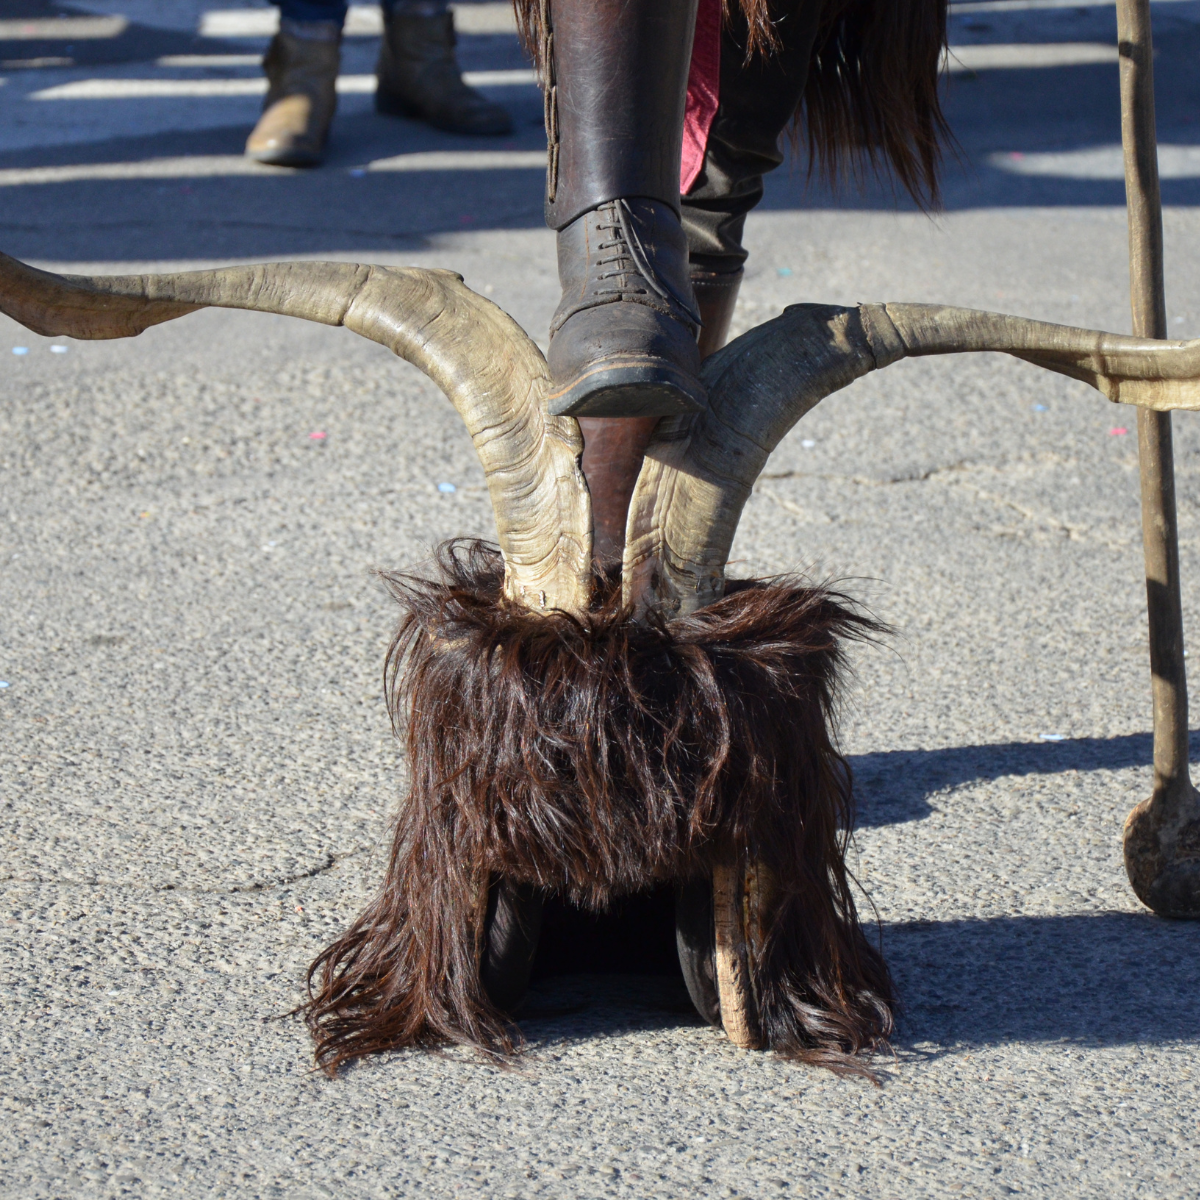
(623, 340)
(418, 76)
(302, 76)
(716, 296)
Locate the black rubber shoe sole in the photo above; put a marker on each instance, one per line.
(287, 158)
(511, 929)
(635, 390)
(695, 940)
(389, 104)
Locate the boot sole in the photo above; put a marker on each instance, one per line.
(286, 158)
(389, 105)
(640, 390)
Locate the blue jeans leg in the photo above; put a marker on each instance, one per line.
(313, 10)
(335, 10)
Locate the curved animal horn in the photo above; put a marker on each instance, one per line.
(699, 470)
(479, 356)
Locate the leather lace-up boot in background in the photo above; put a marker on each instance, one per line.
(623, 340)
(301, 65)
(418, 74)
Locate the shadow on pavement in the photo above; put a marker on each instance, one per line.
(999, 117)
(1097, 979)
(893, 786)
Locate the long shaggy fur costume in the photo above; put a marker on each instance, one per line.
(871, 94)
(595, 757)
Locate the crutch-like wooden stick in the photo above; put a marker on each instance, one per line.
(1162, 834)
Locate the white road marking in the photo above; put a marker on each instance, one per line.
(142, 89)
(35, 64)
(363, 20)
(974, 6)
(463, 160)
(209, 60)
(202, 166)
(961, 58)
(48, 29)
(1024, 55)
(191, 167)
(1096, 162)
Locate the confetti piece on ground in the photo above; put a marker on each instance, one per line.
(20, 349)
(1053, 737)
(317, 435)
(3, 683)
(783, 272)
(808, 443)
(447, 488)
(1038, 407)
(59, 349)
(1118, 431)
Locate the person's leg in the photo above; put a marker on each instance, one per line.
(622, 342)
(418, 74)
(302, 67)
(758, 99)
(313, 10)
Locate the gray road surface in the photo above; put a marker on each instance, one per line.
(195, 765)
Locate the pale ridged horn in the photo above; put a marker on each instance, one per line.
(480, 357)
(699, 470)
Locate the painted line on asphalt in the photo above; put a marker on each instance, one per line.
(209, 60)
(216, 165)
(1096, 162)
(67, 29)
(463, 160)
(974, 6)
(363, 20)
(1021, 56)
(1017, 56)
(173, 89)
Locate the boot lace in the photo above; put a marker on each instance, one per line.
(624, 260)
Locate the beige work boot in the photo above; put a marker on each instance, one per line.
(302, 73)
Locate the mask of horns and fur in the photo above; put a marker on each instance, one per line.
(595, 732)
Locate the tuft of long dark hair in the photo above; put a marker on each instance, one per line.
(871, 97)
(594, 757)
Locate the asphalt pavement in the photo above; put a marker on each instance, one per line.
(196, 769)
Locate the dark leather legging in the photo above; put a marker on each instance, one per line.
(757, 102)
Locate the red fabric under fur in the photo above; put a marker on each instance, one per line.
(593, 758)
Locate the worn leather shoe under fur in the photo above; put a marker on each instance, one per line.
(302, 77)
(623, 340)
(418, 76)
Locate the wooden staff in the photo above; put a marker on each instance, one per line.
(1158, 855)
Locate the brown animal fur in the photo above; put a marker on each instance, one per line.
(594, 757)
(872, 91)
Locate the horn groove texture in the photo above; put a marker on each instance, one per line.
(480, 357)
(699, 470)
